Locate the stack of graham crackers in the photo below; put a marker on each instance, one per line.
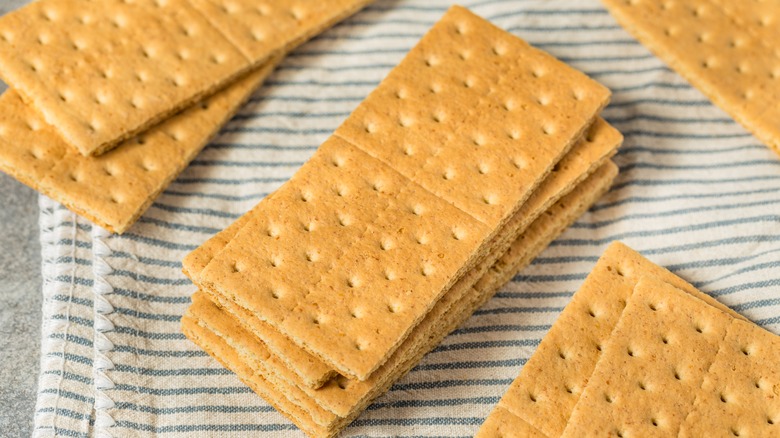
(111, 99)
(639, 352)
(465, 162)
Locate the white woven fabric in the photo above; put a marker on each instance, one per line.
(696, 193)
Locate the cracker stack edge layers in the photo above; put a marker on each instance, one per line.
(423, 169)
(393, 233)
(222, 337)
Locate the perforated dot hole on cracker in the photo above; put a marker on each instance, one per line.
(387, 214)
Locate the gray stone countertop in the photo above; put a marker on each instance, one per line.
(20, 298)
(20, 306)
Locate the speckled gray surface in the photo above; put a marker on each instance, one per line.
(20, 298)
(20, 307)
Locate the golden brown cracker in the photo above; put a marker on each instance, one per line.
(113, 190)
(536, 238)
(651, 367)
(551, 382)
(395, 278)
(725, 50)
(100, 72)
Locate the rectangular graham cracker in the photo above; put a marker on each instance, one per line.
(101, 71)
(434, 230)
(549, 385)
(113, 190)
(343, 396)
(533, 241)
(600, 142)
(676, 366)
(725, 50)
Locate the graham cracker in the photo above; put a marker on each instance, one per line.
(456, 116)
(551, 382)
(320, 310)
(535, 239)
(725, 50)
(113, 190)
(600, 142)
(102, 71)
(676, 366)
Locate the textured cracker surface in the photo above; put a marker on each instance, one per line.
(113, 190)
(101, 71)
(258, 29)
(727, 51)
(536, 238)
(652, 365)
(551, 382)
(408, 268)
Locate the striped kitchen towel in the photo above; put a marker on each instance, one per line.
(696, 193)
